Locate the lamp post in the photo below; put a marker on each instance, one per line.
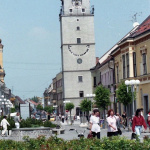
(5, 104)
(133, 83)
(90, 96)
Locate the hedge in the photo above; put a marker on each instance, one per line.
(54, 143)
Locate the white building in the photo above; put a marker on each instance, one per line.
(77, 49)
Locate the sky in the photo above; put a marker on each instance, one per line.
(30, 33)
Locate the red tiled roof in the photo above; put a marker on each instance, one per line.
(34, 103)
(143, 27)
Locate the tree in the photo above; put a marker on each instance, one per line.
(123, 96)
(35, 99)
(40, 108)
(49, 109)
(69, 107)
(85, 106)
(102, 97)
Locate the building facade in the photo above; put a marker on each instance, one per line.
(132, 62)
(53, 95)
(77, 49)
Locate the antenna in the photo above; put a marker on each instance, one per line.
(134, 18)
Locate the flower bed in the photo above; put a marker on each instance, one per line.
(54, 143)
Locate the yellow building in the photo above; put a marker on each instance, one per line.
(2, 72)
(132, 61)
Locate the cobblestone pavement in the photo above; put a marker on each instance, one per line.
(71, 134)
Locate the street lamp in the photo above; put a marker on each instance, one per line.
(133, 83)
(90, 96)
(5, 104)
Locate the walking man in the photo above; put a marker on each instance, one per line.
(17, 120)
(4, 124)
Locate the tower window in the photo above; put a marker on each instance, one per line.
(83, 10)
(78, 28)
(81, 94)
(70, 10)
(78, 40)
(80, 79)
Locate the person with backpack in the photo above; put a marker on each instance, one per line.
(148, 119)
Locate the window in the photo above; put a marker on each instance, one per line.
(81, 94)
(83, 10)
(117, 74)
(70, 10)
(127, 61)
(78, 40)
(80, 79)
(124, 67)
(144, 64)
(134, 64)
(94, 81)
(78, 28)
(77, 19)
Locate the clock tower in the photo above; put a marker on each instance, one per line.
(77, 50)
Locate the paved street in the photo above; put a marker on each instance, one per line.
(71, 134)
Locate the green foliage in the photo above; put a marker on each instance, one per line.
(49, 109)
(31, 122)
(39, 107)
(35, 99)
(12, 110)
(85, 105)
(123, 96)
(49, 124)
(69, 106)
(55, 143)
(102, 97)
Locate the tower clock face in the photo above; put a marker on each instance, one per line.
(77, 3)
(73, 50)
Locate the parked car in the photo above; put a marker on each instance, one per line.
(52, 118)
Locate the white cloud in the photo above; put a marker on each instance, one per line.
(39, 32)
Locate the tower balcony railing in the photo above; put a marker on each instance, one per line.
(77, 12)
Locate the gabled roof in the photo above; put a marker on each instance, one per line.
(20, 100)
(34, 103)
(143, 28)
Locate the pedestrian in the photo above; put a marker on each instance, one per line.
(148, 119)
(17, 120)
(124, 120)
(142, 114)
(62, 118)
(138, 122)
(66, 118)
(112, 123)
(4, 124)
(59, 117)
(94, 124)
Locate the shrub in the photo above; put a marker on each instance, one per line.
(55, 143)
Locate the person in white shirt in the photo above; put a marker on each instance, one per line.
(94, 124)
(4, 124)
(112, 123)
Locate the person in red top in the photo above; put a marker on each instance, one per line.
(138, 122)
(148, 119)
